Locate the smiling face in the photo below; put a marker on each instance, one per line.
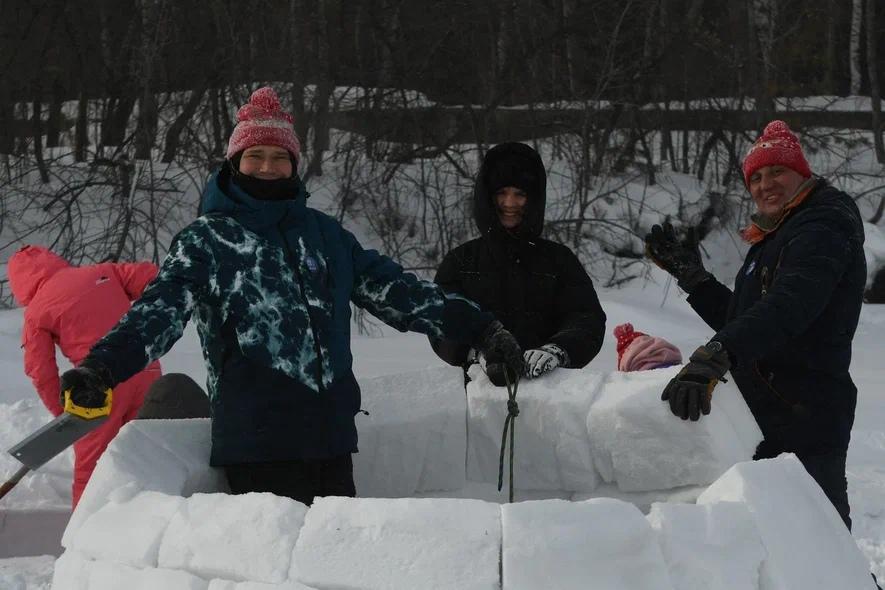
(510, 203)
(267, 162)
(772, 187)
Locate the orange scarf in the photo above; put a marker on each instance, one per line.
(754, 233)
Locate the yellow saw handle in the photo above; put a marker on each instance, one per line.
(89, 413)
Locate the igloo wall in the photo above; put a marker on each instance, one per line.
(429, 516)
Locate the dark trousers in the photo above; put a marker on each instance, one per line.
(828, 471)
(299, 480)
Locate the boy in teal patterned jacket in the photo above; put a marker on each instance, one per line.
(268, 282)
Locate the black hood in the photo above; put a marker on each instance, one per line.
(511, 164)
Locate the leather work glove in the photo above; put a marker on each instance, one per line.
(680, 258)
(544, 359)
(691, 391)
(501, 352)
(88, 385)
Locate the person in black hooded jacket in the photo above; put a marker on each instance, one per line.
(537, 288)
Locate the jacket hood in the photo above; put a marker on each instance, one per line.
(225, 197)
(29, 268)
(511, 164)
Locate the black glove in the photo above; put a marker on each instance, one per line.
(544, 359)
(691, 391)
(499, 347)
(495, 373)
(88, 385)
(682, 259)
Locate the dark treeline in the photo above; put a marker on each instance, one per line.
(463, 51)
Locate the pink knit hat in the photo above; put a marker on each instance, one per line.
(776, 146)
(641, 352)
(261, 121)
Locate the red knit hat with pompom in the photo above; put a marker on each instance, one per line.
(777, 146)
(640, 352)
(625, 334)
(261, 121)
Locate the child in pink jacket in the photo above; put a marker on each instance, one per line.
(73, 307)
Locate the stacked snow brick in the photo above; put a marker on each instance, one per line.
(156, 516)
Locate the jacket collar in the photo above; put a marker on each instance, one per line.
(224, 197)
(761, 226)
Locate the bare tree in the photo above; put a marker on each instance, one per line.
(854, 45)
(873, 73)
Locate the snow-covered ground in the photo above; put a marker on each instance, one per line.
(656, 308)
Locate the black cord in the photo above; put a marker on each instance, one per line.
(509, 425)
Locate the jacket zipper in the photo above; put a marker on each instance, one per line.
(764, 279)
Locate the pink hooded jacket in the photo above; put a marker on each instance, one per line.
(70, 306)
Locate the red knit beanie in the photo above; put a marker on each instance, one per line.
(777, 146)
(261, 121)
(641, 352)
(625, 336)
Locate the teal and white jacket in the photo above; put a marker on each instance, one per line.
(269, 286)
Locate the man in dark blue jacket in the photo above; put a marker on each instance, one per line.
(785, 331)
(269, 282)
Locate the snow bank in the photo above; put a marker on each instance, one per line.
(873, 249)
(50, 486)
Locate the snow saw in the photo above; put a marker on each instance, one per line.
(53, 438)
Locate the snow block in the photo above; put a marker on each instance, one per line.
(218, 584)
(414, 437)
(71, 571)
(105, 575)
(128, 532)
(190, 440)
(642, 500)
(133, 462)
(29, 532)
(399, 544)
(807, 543)
(709, 547)
(602, 544)
(552, 446)
(249, 537)
(640, 445)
